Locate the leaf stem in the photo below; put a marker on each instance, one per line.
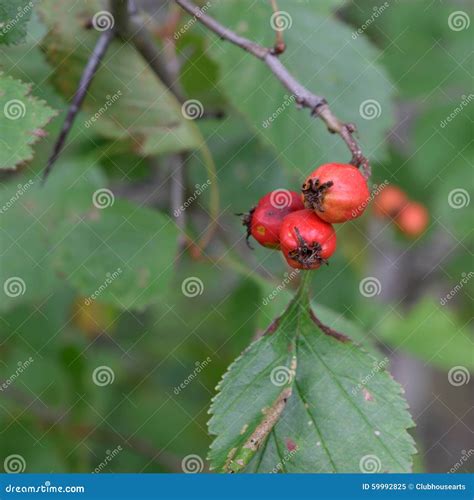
(302, 294)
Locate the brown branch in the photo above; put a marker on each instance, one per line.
(86, 79)
(130, 27)
(304, 98)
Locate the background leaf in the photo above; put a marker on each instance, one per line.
(22, 117)
(430, 333)
(14, 17)
(124, 253)
(132, 104)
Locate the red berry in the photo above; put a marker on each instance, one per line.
(337, 192)
(306, 240)
(389, 202)
(413, 219)
(264, 221)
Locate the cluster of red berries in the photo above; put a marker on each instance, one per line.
(410, 217)
(300, 224)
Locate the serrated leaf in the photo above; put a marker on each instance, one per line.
(121, 254)
(22, 118)
(247, 397)
(14, 17)
(341, 399)
(126, 100)
(322, 56)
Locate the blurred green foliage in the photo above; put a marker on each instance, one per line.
(152, 335)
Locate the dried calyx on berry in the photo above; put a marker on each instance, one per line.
(306, 240)
(313, 193)
(337, 192)
(307, 254)
(246, 219)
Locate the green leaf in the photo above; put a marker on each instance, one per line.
(426, 47)
(126, 100)
(450, 343)
(14, 17)
(302, 400)
(322, 56)
(22, 117)
(119, 254)
(30, 214)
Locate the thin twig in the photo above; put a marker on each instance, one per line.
(130, 27)
(86, 78)
(280, 45)
(177, 188)
(304, 98)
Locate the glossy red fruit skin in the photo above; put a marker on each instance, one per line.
(389, 202)
(313, 230)
(413, 219)
(268, 215)
(343, 192)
